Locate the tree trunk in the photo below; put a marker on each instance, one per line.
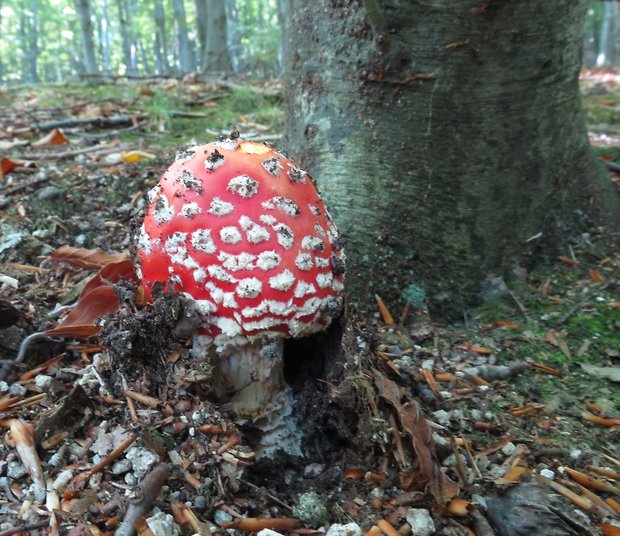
(234, 35)
(86, 26)
(283, 25)
(606, 45)
(201, 29)
(184, 49)
(445, 150)
(161, 39)
(105, 38)
(129, 51)
(216, 57)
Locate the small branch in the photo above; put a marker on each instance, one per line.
(99, 121)
(612, 166)
(144, 497)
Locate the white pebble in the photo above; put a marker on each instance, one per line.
(421, 522)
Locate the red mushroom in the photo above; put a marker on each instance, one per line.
(240, 229)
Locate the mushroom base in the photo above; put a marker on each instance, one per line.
(250, 378)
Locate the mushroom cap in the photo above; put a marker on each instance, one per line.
(240, 229)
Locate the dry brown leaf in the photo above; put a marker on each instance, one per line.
(54, 137)
(86, 258)
(11, 164)
(414, 423)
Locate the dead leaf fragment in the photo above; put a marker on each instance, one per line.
(54, 137)
(86, 258)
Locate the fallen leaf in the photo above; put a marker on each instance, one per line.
(131, 157)
(86, 258)
(595, 276)
(7, 165)
(54, 137)
(610, 373)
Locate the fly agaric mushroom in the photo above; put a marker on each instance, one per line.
(240, 229)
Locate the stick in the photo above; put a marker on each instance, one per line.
(144, 497)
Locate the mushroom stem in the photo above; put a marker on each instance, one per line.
(251, 379)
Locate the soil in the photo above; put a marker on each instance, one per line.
(480, 424)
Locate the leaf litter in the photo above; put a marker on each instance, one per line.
(112, 426)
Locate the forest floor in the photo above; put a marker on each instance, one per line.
(522, 398)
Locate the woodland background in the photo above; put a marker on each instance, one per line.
(58, 41)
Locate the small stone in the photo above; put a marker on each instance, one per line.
(62, 479)
(200, 503)
(350, 529)
(442, 417)
(131, 479)
(50, 193)
(141, 460)
(509, 448)
(575, 454)
(547, 473)
(121, 467)
(313, 470)
(4, 387)
(16, 470)
(80, 240)
(43, 381)
(311, 510)
(162, 524)
(475, 414)
(421, 522)
(221, 517)
(268, 532)
(17, 389)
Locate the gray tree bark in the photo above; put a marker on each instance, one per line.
(201, 29)
(86, 27)
(105, 38)
(161, 39)
(216, 57)
(129, 45)
(606, 45)
(184, 49)
(447, 137)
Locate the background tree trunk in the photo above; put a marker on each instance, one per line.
(105, 39)
(88, 44)
(161, 40)
(184, 49)
(607, 42)
(217, 58)
(201, 29)
(129, 45)
(445, 151)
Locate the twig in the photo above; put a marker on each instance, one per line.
(64, 154)
(99, 121)
(519, 305)
(24, 528)
(114, 455)
(8, 366)
(144, 497)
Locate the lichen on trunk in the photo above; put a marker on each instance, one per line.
(445, 143)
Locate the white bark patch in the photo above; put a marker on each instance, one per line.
(219, 207)
(288, 206)
(184, 154)
(268, 260)
(282, 281)
(273, 166)
(175, 247)
(285, 235)
(303, 261)
(313, 243)
(226, 144)
(267, 219)
(189, 210)
(296, 174)
(162, 211)
(322, 262)
(230, 235)
(202, 241)
(314, 210)
(234, 263)
(217, 272)
(243, 185)
(254, 233)
(249, 287)
(190, 181)
(304, 288)
(324, 280)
